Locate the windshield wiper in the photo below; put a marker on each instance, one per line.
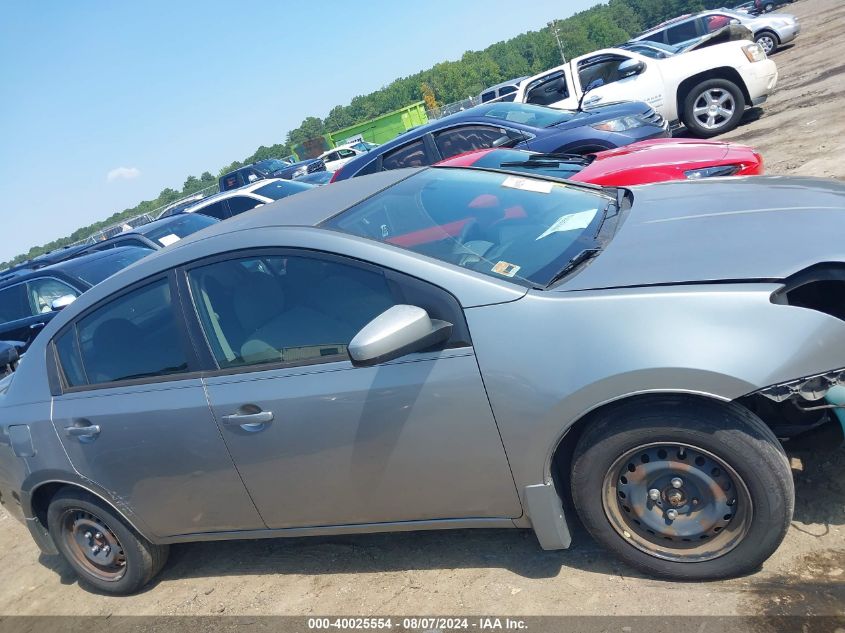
(572, 264)
(545, 160)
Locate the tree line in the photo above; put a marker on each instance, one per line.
(529, 53)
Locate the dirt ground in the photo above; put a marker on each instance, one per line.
(801, 130)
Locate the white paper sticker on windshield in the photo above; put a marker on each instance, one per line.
(528, 184)
(167, 240)
(506, 269)
(570, 222)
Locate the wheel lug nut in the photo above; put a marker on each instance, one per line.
(677, 482)
(98, 535)
(88, 535)
(106, 549)
(654, 494)
(95, 549)
(671, 514)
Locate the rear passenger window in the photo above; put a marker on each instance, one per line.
(216, 210)
(410, 155)
(280, 309)
(134, 336)
(683, 32)
(14, 304)
(239, 204)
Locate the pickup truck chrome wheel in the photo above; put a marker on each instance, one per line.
(93, 545)
(677, 502)
(713, 108)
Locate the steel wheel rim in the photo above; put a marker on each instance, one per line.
(767, 43)
(713, 108)
(93, 545)
(712, 503)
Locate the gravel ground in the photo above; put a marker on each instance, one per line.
(800, 130)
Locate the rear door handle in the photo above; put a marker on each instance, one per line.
(248, 419)
(89, 430)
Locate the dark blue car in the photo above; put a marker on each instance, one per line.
(516, 125)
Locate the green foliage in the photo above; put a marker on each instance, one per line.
(526, 54)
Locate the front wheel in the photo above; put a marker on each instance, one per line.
(713, 107)
(104, 551)
(768, 41)
(687, 490)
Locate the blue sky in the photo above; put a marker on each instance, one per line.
(104, 104)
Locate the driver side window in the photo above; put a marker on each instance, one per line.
(600, 71)
(466, 138)
(262, 309)
(42, 293)
(547, 90)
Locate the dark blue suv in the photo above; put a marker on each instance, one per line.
(518, 125)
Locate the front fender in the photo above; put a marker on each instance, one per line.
(552, 357)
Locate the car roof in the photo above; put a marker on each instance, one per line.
(230, 193)
(63, 266)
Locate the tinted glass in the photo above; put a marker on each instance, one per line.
(182, 225)
(547, 90)
(278, 309)
(682, 32)
(216, 210)
(501, 225)
(466, 138)
(601, 70)
(93, 271)
(70, 359)
(135, 336)
(14, 304)
(282, 189)
(239, 204)
(533, 115)
(530, 163)
(317, 178)
(346, 153)
(42, 293)
(410, 155)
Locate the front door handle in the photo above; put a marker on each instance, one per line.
(252, 420)
(83, 431)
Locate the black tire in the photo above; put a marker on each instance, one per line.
(727, 431)
(768, 40)
(141, 560)
(698, 97)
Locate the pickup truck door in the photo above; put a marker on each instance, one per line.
(606, 73)
(553, 89)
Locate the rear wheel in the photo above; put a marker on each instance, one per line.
(689, 490)
(713, 107)
(104, 551)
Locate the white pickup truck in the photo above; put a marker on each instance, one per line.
(706, 89)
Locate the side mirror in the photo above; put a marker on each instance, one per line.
(9, 354)
(62, 302)
(400, 330)
(630, 67)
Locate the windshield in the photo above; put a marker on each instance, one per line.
(93, 271)
(270, 165)
(181, 226)
(556, 166)
(533, 115)
(505, 226)
(282, 189)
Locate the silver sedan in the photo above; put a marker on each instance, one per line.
(443, 348)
